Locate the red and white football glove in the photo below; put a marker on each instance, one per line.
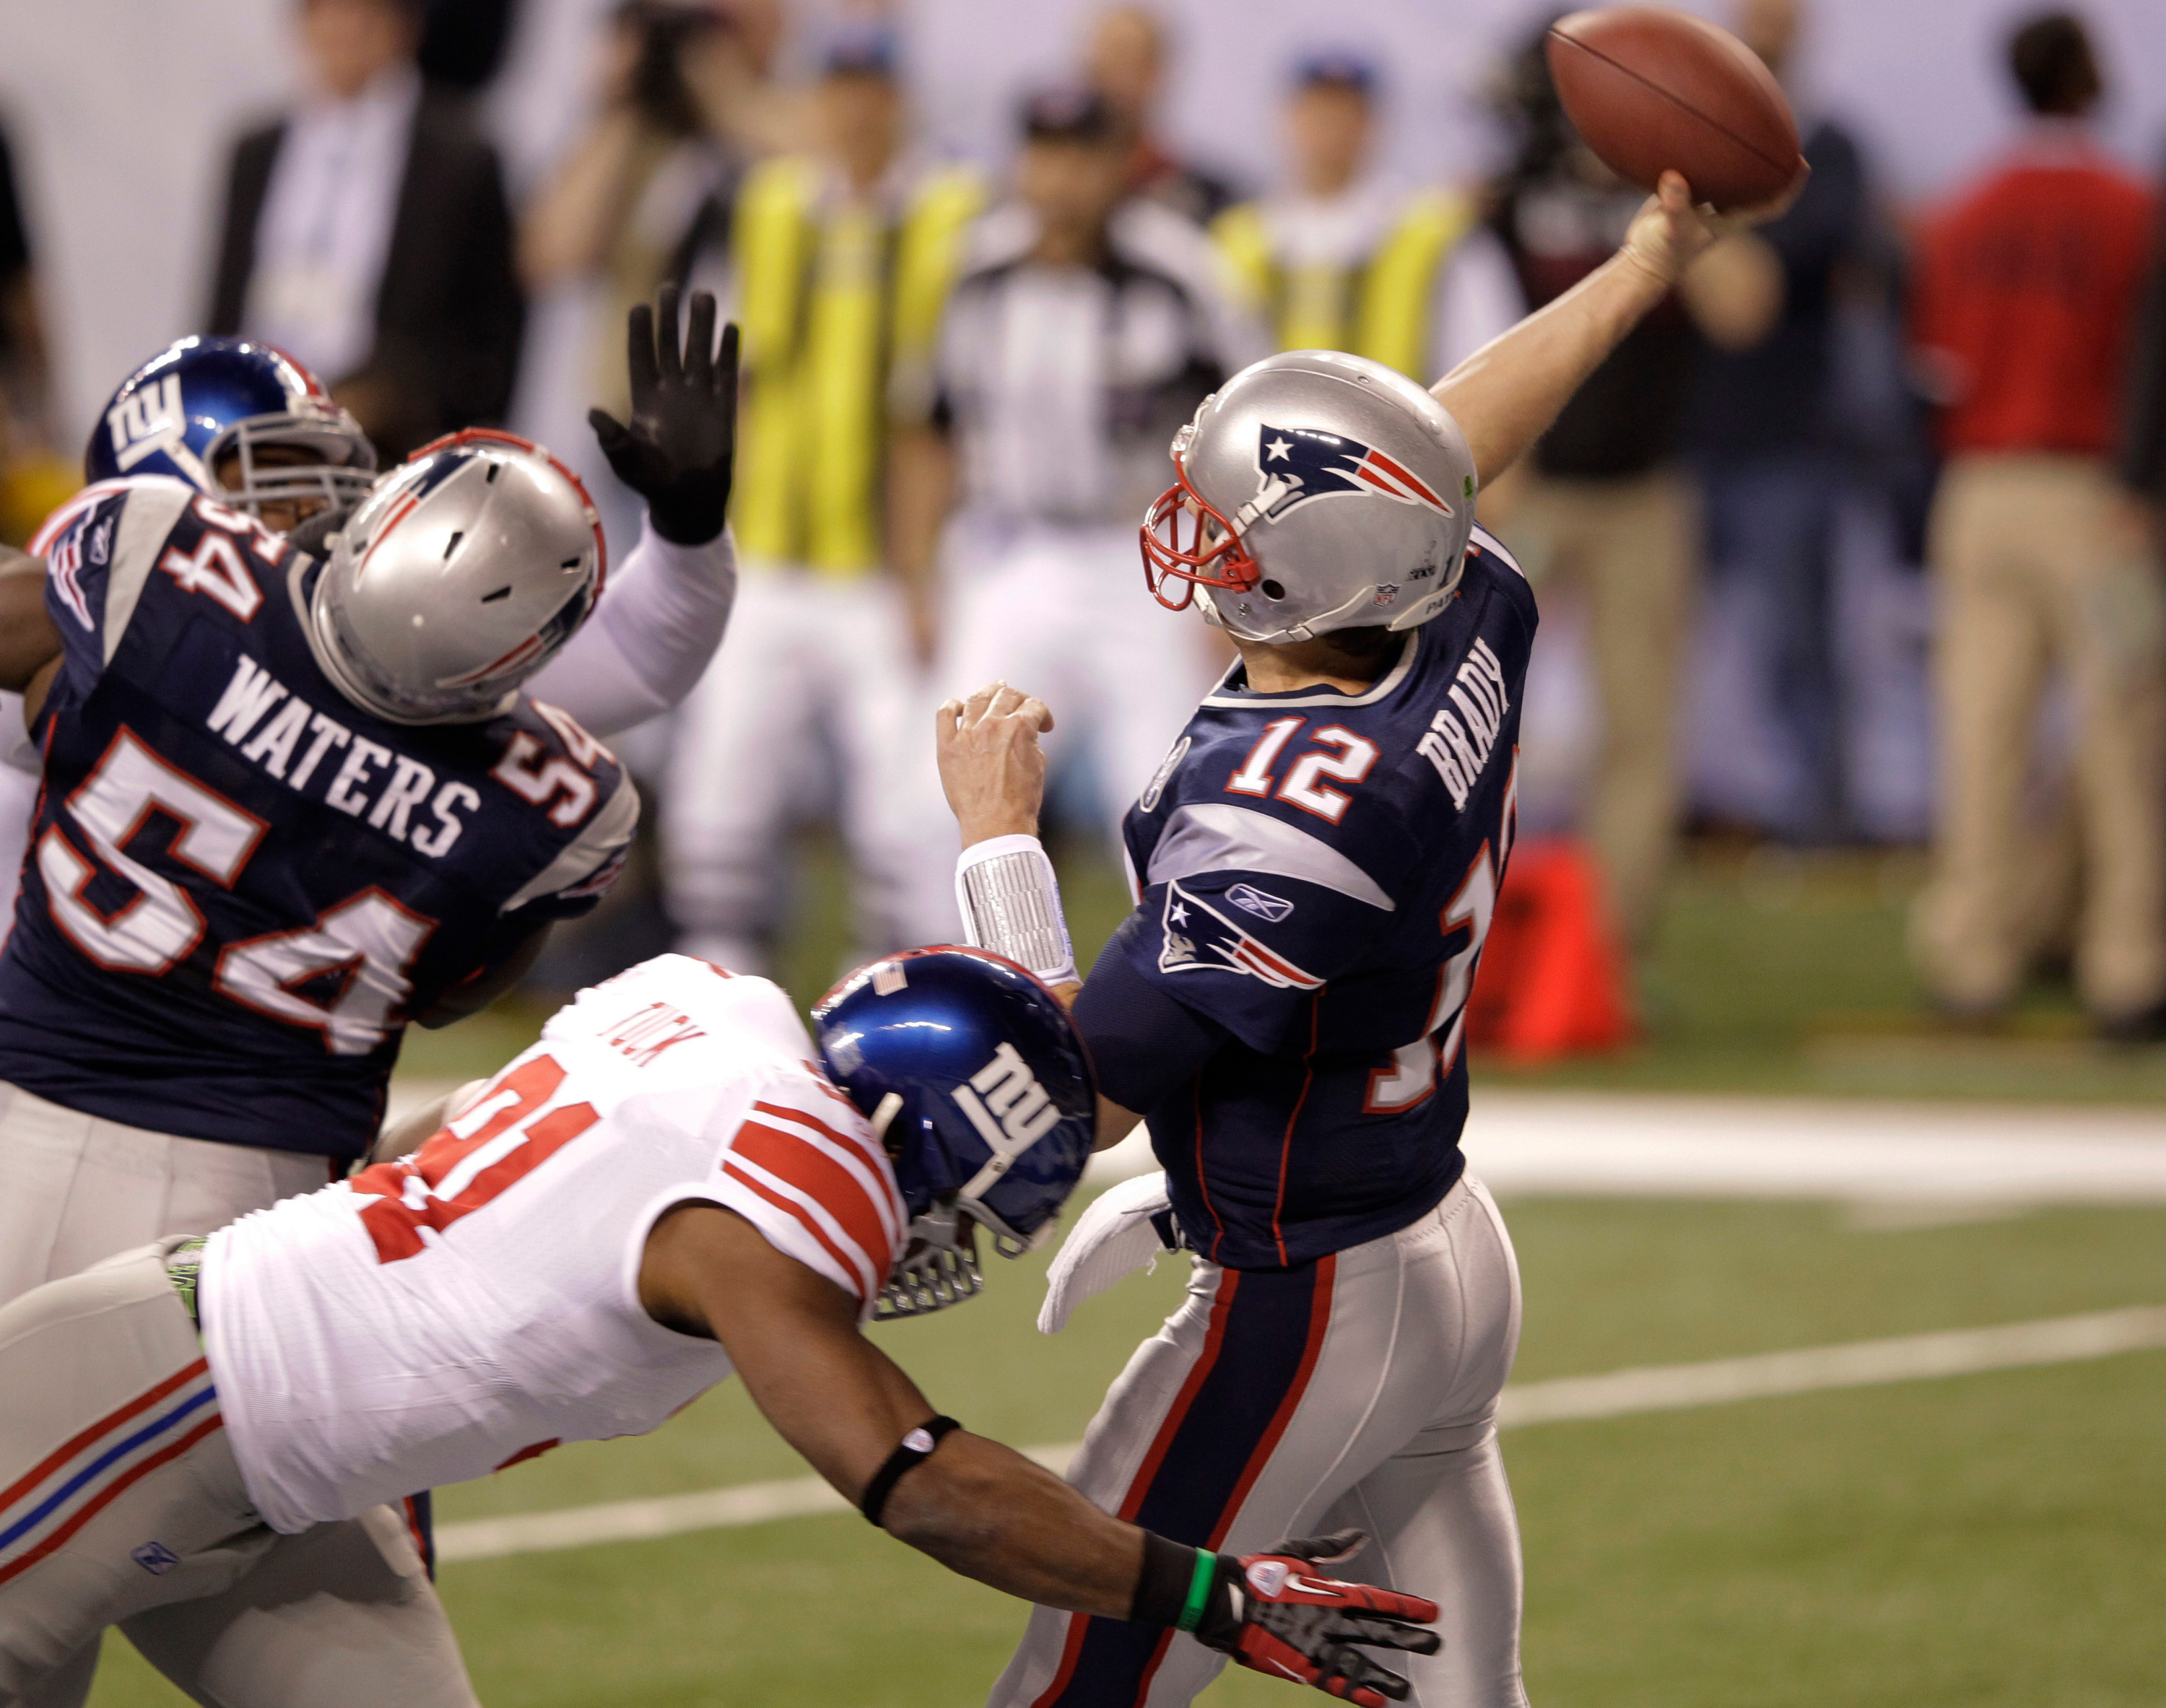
(1271, 1611)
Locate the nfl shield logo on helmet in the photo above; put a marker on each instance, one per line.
(1296, 464)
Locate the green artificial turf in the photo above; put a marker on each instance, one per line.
(1988, 1539)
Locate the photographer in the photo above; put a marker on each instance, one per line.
(684, 103)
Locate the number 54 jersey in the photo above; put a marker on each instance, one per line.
(1316, 873)
(239, 885)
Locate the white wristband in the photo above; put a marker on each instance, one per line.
(1011, 904)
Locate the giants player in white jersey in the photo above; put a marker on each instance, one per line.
(1316, 865)
(668, 1189)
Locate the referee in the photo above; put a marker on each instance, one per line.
(1086, 326)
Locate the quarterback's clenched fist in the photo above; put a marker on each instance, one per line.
(1274, 1612)
(991, 766)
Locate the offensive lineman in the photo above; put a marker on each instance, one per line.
(667, 1189)
(1315, 861)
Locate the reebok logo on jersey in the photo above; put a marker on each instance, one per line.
(1262, 903)
(1200, 938)
(1459, 746)
(1296, 464)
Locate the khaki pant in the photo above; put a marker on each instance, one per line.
(2033, 579)
(121, 1503)
(78, 1189)
(1631, 545)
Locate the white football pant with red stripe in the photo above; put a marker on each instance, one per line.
(1356, 1392)
(121, 1503)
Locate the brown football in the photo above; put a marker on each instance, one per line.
(1650, 89)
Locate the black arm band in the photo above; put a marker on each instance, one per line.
(1173, 1585)
(916, 1449)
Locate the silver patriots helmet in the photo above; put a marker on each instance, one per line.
(465, 570)
(1315, 490)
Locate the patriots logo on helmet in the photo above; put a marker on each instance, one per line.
(1296, 464)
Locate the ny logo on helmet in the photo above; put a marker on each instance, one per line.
(1006, 1105)
(1296, 464)
(150, 420)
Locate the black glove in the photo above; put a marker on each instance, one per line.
(1270, 1612)
(680, 450)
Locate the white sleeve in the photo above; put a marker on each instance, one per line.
(1477, 298)
(660, 619)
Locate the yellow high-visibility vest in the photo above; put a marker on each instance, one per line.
(829, 299)
(1378, 306)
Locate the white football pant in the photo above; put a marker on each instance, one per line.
(1358, 1392)
(809, 657)
(1063, 614)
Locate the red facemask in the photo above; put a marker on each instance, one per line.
(1212, 557)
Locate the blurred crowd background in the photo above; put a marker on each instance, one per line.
(1855, 542)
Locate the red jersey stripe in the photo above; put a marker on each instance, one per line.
(789, 1157)
(851, 1267)
(860, 1143)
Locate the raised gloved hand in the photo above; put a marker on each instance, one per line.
(680, 450)
(1270, 1611)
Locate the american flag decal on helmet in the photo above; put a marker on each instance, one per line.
(1296, 464)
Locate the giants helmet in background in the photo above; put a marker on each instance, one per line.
(466, 571)
(192, 404)
(1314, 491)
(978, 1085)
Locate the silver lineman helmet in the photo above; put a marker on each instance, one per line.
(1315, 490)
(463, 573)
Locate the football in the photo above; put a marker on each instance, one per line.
(1650, 89)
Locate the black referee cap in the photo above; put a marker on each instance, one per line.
(1068, 114)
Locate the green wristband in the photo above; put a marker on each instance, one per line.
(1199, 1591)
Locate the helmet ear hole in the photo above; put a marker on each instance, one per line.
(1270, 590)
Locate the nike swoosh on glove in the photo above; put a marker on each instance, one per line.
(1113, 1239)
(680, 452)
(1272, 1612)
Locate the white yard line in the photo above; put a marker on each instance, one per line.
(1620, 1394)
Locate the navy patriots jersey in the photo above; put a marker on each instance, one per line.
(1317, 873)
(240, 884)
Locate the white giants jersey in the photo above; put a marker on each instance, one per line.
(435, 1318)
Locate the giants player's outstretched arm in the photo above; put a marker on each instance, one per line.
(976, 1506)
(983, 1510)
(1505, 395)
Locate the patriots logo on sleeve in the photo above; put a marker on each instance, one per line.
(1296, 464)
(1200, 938)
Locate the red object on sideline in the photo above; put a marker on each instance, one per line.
(1552, 982)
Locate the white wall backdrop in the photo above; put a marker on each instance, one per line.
(120, 109)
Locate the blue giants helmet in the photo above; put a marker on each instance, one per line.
(190, 404)
(978, 1083)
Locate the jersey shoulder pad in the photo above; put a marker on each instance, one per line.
(1206, 837)
(802, 1166)
(100, 548)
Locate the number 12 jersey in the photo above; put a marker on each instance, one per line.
(1316, 872)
